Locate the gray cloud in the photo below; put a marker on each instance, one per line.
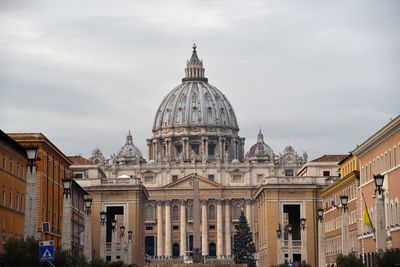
(319, 75)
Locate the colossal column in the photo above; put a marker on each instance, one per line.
(204, 228)
(168, 250)
(249, 213)
(183, 229)
(228, 245)
(219, 230)
(159, 229)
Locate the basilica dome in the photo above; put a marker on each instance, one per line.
(195, 103)
(129, 153)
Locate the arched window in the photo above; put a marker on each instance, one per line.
(149, 212)
(237, 210)
(175, 213)
(211, 212)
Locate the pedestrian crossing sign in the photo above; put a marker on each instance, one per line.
(46, 252)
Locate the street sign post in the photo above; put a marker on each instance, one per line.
(46, 251)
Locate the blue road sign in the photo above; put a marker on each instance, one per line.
(46, 251)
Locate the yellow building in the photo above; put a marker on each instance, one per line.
(340, 224)
(13, 162)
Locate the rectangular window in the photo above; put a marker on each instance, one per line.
(211, 177)
(326, 173)
(78, 175)
(4, 163)
(289, 173)
(174, 178)
(3, 201)
(11, 200)
(236, 178)
(148, 179)
(22, 202)
(17, 201)
(260, 178)
(394, 156)
(11, 166)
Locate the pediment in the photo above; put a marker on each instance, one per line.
(187, 183)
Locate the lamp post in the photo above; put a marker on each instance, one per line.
(290, 243)
(88, 229)
(321, 243)
(123, 243)
(380, 212)
(345, 224)
(103, 227)
(129, 255)
(113, 239)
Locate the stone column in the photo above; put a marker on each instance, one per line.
(30, 224)
(66, 223)
(183, 229)
(380, 221)
(345, 232)
(168, 250)
(228, 246)
(155, 156)
(88, 236)
(159, 229)
(220, 230)
(103, 227)
(290, 247)
(186, 149)
(321, 245)
(204, 228)
(149, 154)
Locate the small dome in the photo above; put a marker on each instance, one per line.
(129, 153)
(261, 150)
(235, 161)
(97, 157)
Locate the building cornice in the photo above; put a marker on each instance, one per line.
(389, 129)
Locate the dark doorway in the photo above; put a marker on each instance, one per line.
(149, 242)
(111, 212)
(175, 250)
(294, 219)
(296, 259)
(190, 245)
(212, 249)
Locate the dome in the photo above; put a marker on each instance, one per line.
(195, 103)
(261, 149)
(129, 153)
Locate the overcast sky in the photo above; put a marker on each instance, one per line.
(321, 76)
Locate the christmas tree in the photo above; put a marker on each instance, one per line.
(244, 247)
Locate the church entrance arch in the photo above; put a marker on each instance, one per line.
(175, 250)
(212, 249)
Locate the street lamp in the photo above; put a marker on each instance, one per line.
(320, 214)
(279, 231)
(344, 200)
(122, 229)
(67, 186)
(113, 224)
(289, 228)
(378, 179)
(31, 153)
(103, 216)
(303, 223)
(129, 236)
(88, 205)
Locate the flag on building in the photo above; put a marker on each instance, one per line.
(366, 217)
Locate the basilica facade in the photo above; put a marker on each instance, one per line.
(196, 135)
